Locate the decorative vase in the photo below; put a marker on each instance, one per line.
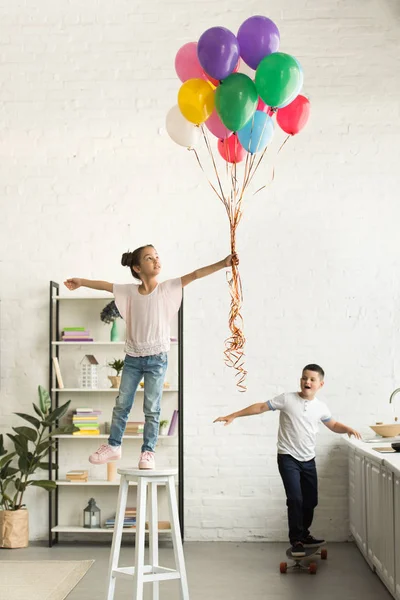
(14, 528)
(114, 337)
(115, 381)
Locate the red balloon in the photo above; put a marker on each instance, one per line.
(294, 116)
(231, 149)
(265, 108)
(215, 82)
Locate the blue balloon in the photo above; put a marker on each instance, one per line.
(257, 133)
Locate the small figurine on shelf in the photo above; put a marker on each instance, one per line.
(117, 364)
(110, 314)
(164, 427)
(91, 515)
(89, 366)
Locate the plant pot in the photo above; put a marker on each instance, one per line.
(164, 430)
(14, 528)
(115, 381)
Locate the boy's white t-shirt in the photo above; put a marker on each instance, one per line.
(148, 317)
(298, 424)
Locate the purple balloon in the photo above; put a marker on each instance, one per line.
(258, 37)
(218, 52)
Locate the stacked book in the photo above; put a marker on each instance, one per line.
(129, 519)
(134, 427)
(76, 334)
(87, 421)
(77, 476)
(174, 423)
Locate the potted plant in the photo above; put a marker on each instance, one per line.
(164, 427)
(110, 314)
(117, 364)
(18, 467)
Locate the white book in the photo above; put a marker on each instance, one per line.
(58, 372)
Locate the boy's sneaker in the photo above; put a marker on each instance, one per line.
(105, 454)
(146, 460)
(311, 542)
(297, 549)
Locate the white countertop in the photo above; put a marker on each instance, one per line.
(391, 461)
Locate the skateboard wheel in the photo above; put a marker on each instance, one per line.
(283, 567)
(312, 569)
(324, 553)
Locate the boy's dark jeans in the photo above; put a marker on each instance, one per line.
(301, 486)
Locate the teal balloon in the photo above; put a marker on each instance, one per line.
(257, 133)
(278, 77)
(236, 100)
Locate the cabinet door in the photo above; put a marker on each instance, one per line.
(360, 533)
(397, 532)
(374, 515)
(387, 534)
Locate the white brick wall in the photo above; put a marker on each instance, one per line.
(86, 171)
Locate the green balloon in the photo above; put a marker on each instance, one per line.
(236, 100)
(278, 77)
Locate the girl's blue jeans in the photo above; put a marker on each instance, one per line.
(152, 369)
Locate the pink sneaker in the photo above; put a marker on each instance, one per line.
(146, 460)
(105, 454)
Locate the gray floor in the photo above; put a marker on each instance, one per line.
(226, 571)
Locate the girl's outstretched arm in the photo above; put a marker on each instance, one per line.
(204, 271)
(76, 282)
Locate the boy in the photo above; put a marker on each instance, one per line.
(299, 418)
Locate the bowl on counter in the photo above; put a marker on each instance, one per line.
(386, 430)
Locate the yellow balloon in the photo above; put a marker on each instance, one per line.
(196, 100)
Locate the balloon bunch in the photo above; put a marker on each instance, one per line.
(239, 110)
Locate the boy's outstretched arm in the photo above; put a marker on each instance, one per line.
(76, 282)
(253, 409)
(204, 271)
(337, 427)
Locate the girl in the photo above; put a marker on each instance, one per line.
(147, 309)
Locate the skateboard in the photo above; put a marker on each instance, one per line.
(311, 567)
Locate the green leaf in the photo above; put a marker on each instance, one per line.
(44, 483)
(44, 400)
(24, 465)
(2, 449)
(19, 485)
(66, 429)
(6, 459)
(20, 443)
(45, 466)
(27, 432)
(8, 472)
(37, 410)
(44, 446)
(30, 419)
(58, 412)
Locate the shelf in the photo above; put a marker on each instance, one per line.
(71, 529)
(102, 390)
(72, 297)
(91, 482)
(106, 436)
(88, 343)
(94, 482)
(96, 343)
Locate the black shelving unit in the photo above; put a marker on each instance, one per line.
(54, 350)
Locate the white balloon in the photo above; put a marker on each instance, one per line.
(180, 130)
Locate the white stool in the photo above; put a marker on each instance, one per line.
(142, 573)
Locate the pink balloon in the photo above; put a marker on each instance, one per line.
(216, 126)
(265, 108)
(187, 64)
(231, 149)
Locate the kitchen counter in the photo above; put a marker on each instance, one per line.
(374, 507)
(391, 461)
